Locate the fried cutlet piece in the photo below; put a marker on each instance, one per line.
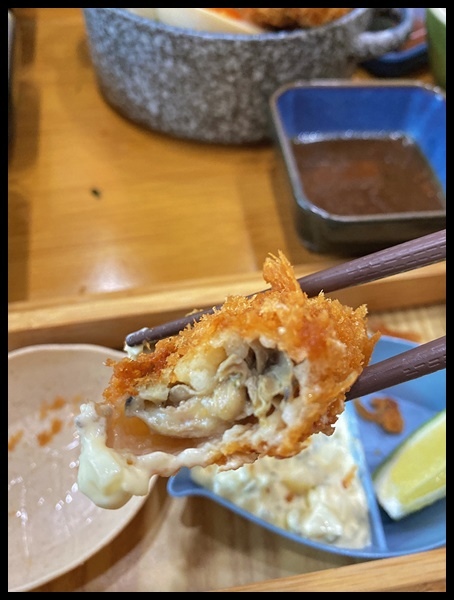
(291, 18)
(255, 378)
(386, 413)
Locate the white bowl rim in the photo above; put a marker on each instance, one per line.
(64, 346)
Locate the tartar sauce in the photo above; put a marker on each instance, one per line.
(316, 494)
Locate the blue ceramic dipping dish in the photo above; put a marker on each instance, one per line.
(306, 110)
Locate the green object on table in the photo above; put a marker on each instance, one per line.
(436, 38)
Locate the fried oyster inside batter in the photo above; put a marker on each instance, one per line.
(255, 378)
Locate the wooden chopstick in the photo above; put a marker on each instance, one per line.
(411, 364)
(401, 258)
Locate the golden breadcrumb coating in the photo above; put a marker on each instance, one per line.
(318, 345)
(291, 18)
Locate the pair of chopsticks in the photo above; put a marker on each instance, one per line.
(411, 364)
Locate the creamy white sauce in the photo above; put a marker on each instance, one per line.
(134, 351)
(104, 475)
(312, 494)
(110, 478)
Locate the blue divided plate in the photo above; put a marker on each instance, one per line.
(424, 530)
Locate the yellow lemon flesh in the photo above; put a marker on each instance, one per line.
(414, 474)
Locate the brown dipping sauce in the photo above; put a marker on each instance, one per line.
(367, 175)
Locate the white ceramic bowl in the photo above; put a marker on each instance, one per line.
(52, 527)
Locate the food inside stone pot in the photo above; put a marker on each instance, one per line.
(244, 20)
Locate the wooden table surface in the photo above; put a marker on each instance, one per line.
(98, 204)
(98, 209)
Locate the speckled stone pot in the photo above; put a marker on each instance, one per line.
(215, 87)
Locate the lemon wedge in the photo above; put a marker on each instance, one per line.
(414, 474)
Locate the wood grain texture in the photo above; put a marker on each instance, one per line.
(97, 204)
(108, 318)
(112, 228)
(192, 544)
(426, 572)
